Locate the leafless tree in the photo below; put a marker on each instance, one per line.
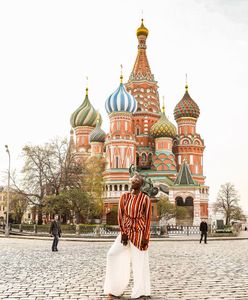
(228, 202)
(47, 170)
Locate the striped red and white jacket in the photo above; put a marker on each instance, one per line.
(134, 217)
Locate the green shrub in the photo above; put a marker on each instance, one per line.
(28, 227)
(43, 228)
(224, 230)
(68, 228)
(87, 228)
(15, 226)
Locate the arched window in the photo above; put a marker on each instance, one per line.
(120, 187)
(110, 188)
(126, 187)
(137, 130)
(143, 157)
(115, 187)
(179, 201)
(150, 157)
(117, 162)
(189, 201)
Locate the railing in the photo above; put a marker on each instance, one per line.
(101, 230)
(75, 230)
(182, 230)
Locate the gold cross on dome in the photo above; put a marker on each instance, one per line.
(121, 77)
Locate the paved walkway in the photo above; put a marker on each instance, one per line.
(179, 270)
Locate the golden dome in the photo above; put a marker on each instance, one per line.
(163, 127)
(142, 30)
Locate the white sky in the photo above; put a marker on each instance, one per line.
(48, 47)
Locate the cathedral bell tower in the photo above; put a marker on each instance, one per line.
(144, 88)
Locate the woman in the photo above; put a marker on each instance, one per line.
(131, 245)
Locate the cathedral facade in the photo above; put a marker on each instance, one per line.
(140, 134)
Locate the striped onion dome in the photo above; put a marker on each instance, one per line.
(97, 134)
(85, 115)
(186, 107)
(163, 127)
(121, 101)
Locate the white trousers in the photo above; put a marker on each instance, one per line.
(117, 277)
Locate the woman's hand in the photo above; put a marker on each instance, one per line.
(144, 244)
(124, 239)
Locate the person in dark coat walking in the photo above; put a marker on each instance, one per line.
(204, 231)
(55, 231)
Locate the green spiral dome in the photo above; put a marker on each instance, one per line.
(85, 115)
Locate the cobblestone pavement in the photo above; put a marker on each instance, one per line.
(179, 270)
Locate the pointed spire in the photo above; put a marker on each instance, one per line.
(184, 176)
(186, 83)
(141, 69)
(163, 107)
(87, 85)
(98, 119)
(121, 77)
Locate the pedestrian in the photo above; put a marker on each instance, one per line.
(55, 231)
(131, 245)
(204, 230)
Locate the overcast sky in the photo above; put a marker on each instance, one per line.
(49, 47)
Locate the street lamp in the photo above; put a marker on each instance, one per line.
(7, 214)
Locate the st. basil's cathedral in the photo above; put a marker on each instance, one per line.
(141, 134)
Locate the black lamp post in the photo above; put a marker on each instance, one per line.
(7, 214)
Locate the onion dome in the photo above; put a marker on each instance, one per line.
(142, 30)
(186, 107)
(163, 127)
(97, 134)
(121, 101)
(85, 115)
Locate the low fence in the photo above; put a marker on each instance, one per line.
(75, 230)
(96, 230)
(182, 230)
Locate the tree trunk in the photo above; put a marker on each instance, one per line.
(39, 215)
